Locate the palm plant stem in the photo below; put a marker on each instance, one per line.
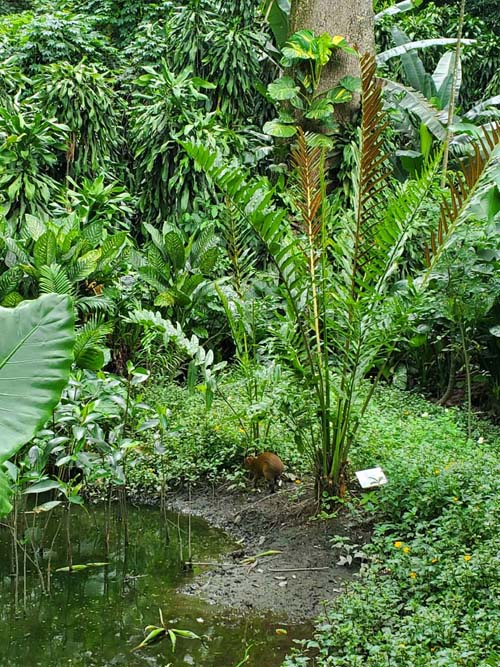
(468, 382)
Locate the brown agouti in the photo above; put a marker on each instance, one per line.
(266, 465)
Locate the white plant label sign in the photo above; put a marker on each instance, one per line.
(371, 478)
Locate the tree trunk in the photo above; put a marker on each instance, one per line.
(353, 19)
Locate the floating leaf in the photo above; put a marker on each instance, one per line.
(156, 635)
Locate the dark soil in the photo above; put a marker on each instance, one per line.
(292, 583)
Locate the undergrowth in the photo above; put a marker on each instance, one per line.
(201, 446)
(429, 595)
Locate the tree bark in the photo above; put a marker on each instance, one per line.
(353, 19)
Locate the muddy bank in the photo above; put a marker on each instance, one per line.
(293, 583)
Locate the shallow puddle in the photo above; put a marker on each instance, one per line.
(95, 617)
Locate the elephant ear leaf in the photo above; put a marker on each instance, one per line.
(36, 351)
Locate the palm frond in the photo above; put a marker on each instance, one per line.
(254, 199)
(308, 162)
(371, 180)
(238, 235)
(464, 186)
(405, 215)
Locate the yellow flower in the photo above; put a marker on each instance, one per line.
(413, 575)
(467, 558)
(434, 560)
(398, 545)
(298, 481)
(455, 499)
(406, 550)
(436, 471)
(216, 427)
(242, 430)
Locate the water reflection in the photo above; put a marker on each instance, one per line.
(96, 616)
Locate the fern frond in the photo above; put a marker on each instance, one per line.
(54, 279)
(96, 304)
(90, 336)
(464, 186)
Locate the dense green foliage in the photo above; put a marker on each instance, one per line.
(246, 267)
(428, 593)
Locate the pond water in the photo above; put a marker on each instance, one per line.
(95, 617)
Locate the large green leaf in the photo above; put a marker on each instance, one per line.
(174, 247)
(446, 76)
(399, 8)
(36, 350)
(283, 89)
(277, 13)
(419, 44)
(415, 74)
(277, 129)
(414, 102)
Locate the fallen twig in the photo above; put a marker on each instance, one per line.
(196, 562)
(299, 569)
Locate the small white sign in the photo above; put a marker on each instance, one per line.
(371, 478)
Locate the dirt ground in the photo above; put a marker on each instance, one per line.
(293, 583)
